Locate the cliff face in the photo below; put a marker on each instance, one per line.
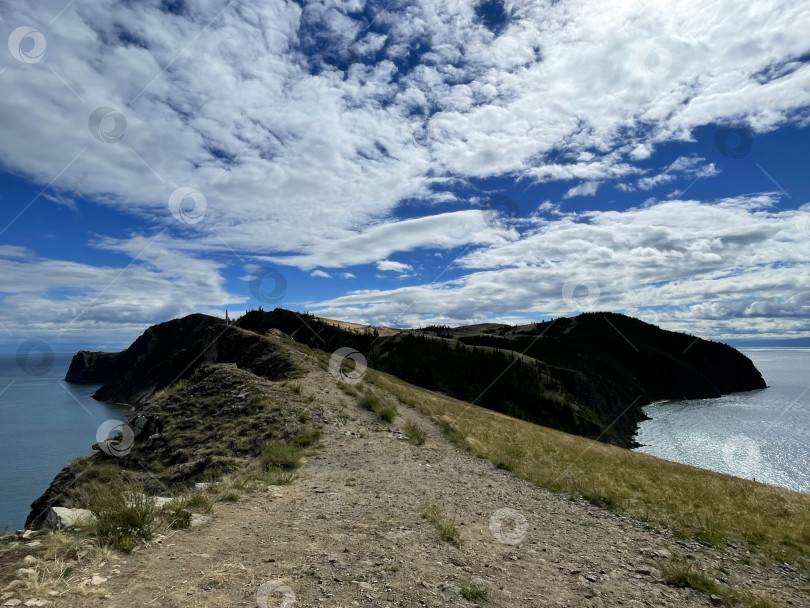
(588, 375)
(172, 351)
(91, 367)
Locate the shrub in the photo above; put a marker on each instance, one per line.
(123, 513)
(178, 513)
(232, 496)
(199, 503)
(281, 455)
(307, 438)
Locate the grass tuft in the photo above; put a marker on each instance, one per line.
(679, 572)
(282, 455)
(385, 411)
(124, 513)
(444, 525)
(307, 438)
(475, 594)
(414, 434)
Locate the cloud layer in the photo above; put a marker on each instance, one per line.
(306, 133)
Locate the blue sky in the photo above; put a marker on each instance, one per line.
(403, 164)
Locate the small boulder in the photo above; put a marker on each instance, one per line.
(59, 518)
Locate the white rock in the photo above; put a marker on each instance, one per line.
(12, 603)
(36, 602)
(60, 518)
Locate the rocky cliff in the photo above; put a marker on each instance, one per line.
(172, 351)
(92, 367)
(589, 375)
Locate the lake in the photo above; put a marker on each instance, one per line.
(44, 424)
(762, 435)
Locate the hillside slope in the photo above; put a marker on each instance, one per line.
(589, 375)
(351, 528)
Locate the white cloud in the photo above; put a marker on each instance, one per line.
(307, 161)
(391, 265)
(692, 167)
(584, 189)
(727, 269)
(347, 275)
(320, 273)
(220, 98)
(60, 301)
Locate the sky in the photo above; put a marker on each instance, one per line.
(404, 164)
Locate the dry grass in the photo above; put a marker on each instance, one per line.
(386, 411)
(443, 524)
(691, 502)
(414, 434)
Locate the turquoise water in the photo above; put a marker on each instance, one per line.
(44, 423)
(762, 435)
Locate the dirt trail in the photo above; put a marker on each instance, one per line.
(348, 532)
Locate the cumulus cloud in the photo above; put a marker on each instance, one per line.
(391, 265)
(60, 301)
(723, 269)
(309, 137)
(584, 189)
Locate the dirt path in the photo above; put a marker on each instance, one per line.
(348, 532)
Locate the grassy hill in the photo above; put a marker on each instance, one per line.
(589, 375)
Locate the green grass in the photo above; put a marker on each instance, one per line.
(347, 388)
(178, 513)
(692, 502)
(475, 594)
(443, 524)
(282, 455)
(414, 434)
(230, 496)
(124, 513)
(385, 411)
(368, 402)
(307, 438)
(199, 503)
(679, 572)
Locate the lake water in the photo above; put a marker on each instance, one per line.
(44, 424)
(762, 435)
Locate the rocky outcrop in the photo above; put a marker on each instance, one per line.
(172, 351)
(59, 518)
(89, 367)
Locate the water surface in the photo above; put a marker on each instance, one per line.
(45, 423)
(762, 435)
